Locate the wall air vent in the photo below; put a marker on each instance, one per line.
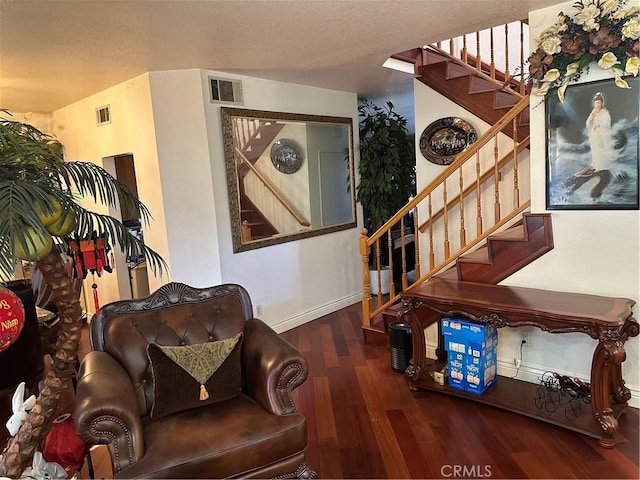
(103, 115)
(223, 90)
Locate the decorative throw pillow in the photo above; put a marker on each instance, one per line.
(190, 376)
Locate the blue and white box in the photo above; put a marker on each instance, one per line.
(457, 368)
(480, 371)
(475, 346)
(466, 329)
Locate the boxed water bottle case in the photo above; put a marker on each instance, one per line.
(471, 354)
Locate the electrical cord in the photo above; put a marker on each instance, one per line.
(522, 342)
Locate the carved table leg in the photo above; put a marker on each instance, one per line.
(419, 359)
(441, 353)
(618, 388)
(607, 362)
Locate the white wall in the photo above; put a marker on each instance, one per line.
(166, 121)
(596, 252)
(186, 179)
(293, 282)
(130, 131)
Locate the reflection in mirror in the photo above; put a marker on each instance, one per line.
(289, 176)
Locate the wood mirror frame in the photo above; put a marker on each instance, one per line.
(289, 176)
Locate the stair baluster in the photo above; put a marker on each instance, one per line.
(463, 235)
(496, 180)
(492, 65)
(478, 54)
(516, 188)
(446, 244)
(392, 289)
(507, 72)
(522, 59)
(432, 254)
(416, 240)
(478, 198)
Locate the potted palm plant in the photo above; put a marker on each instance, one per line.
(387, 169)
(39, 195)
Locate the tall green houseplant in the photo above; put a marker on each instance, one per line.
(387, 162)
(39, 194)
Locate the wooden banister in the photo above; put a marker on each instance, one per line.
(480, 238)
(473, 188)
(459, 161)
(491, 77)
(273, 190)
(451, 200)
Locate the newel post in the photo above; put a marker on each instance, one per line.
(366, 279)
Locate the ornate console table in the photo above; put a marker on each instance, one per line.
(608, 320)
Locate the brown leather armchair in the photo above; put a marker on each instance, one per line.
(257, 433)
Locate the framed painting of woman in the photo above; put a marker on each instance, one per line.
(592, 147)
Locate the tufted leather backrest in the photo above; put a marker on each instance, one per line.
(176, 314)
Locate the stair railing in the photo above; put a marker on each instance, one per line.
(246, 130)
(483, 180)
(273, 190)
(504, 47)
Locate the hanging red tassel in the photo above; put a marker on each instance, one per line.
(79, 271)
(96, 302)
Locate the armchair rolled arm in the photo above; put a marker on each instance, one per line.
(106, 409)
(273, 368)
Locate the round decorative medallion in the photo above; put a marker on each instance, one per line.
(445, 139)
(286, 155)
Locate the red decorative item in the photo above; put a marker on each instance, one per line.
(101, 255)
(11, 318)
(90, 255)
(63, 446)
(88, 250)
(96, 300)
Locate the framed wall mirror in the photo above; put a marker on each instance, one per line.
(289, 176)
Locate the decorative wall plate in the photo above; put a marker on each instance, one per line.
(286, 155)
(445, 139)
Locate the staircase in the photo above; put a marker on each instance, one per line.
(254, 137)
(486, 97)
(254, 224)
(483, 183)
(505, 252)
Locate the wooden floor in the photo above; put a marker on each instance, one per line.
(365, 423)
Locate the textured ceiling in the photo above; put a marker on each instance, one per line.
(53, 53)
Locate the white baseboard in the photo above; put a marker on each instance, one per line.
(533, 374)
(309, 315)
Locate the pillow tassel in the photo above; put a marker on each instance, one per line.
(203, 392)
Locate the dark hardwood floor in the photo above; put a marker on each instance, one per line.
(364, 422)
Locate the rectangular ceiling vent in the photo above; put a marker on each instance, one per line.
(223, 90)
(103, 115)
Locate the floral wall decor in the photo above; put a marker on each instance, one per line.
(602, 34)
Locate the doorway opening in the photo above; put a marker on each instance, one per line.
(136, 282)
